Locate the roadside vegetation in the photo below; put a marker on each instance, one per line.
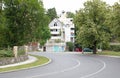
(112, 53)
(22, 22)
(70, 46)
(113, 50)
(6, 53)
(97, 24)
(40, 61)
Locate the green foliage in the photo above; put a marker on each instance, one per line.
(112, 53)
(70, 15)
(114, 48)
(70, 46)
(115, 21)
(2, 26)
(6, 53)
(25, 22)
(58, 40)
(43, 33)
(21, 50)
(91, 24)
(52, 13)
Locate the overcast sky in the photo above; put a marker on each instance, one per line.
(69, 5)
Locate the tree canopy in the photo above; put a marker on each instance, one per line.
(91, 24)
(115, 19)
(25, 22)
(52, 13)
(2, 27)
(70, 15)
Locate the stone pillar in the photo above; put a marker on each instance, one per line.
(15, 51)
(26, 49)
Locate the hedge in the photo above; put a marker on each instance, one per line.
(115, 48)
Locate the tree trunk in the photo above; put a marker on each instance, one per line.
(95, 47)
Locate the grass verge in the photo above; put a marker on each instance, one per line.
(112, 53)
(41, 60)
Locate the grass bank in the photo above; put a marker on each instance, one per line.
(112, 53)
(41, 60)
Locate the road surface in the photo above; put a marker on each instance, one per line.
(71, 65)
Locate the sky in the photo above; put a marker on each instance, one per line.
(68, 5)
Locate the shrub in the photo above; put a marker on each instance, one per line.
(6, 53)
(70, 46)
(57, 40)
(115, 48)
(21, 50)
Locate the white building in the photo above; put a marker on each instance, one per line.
(68, 27)
(62, 31)
(56, 28)
(56, 42)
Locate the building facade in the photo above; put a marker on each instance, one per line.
(62, 31)
(68, 27)
(56, 42)
(56, 29)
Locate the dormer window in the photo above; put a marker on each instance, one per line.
(71, 20)
(55, 24)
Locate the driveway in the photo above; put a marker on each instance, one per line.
(71, 65)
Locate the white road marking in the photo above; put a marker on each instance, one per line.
(52, 73)
(89, 75)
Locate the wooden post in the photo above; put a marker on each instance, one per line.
(15, 51)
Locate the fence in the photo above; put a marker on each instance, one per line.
(20, 50)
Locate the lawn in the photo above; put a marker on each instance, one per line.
(41, 60)
(109, 53)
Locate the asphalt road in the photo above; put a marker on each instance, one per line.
(71, 65)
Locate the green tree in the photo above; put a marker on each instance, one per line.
(91, 24)
(115, 19)
(2, 25)
(70, 15)
(25, 20)
(70, 46)
(52, 13)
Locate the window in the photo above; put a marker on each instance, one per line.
(72, 39)
(72, 34)
(55, 24)
(55, 34)
(51, 30)
(72, 28)
(71, 20)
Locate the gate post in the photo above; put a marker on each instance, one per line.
(15, 51)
